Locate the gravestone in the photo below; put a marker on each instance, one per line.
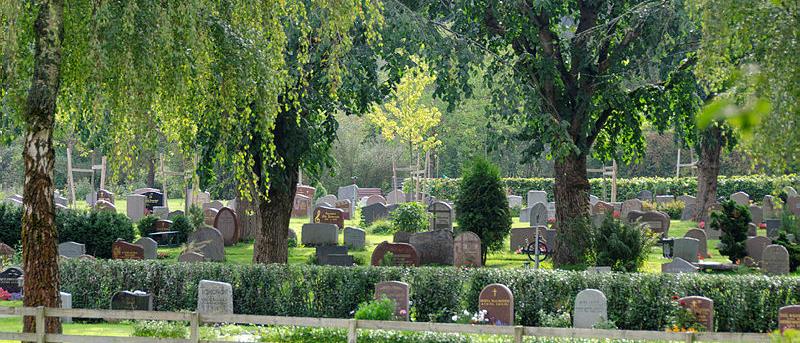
(145, 190)
(538, 215)
(350, 193)
(150, 247)
(752, 230)
(104, 206)
(373, 213)
(702, 239)
(132, 301)
(122, 250)
(66, 303)
(210, 215)
(105, 195)
(602, 207)
(201, 198)
(525, 215)
(322, 252)
(442, 216)
(135, 207)
(301, 206)
(160, 212)
(664, 199)
(790, 191)
(401, 237)
(6, 250)
(396, 291)
(687, 199)
(10, 280)
(354, 238)
(755, 247)
(551, 211)
(319, 234)
(678, 265)
(175, 214)
(689, 211)
(593, 199)
(342, 260)
(769, 208)
(630, 205)
(534, 197)
(153, 199)
(658, 222)
(789, 317)
(404, 254)
(71, 249)
(521, 237)
(591, 307)
(773, 227)
(376, 199)
(396, 197)
(703, 309)
(290, 234)
(191, 256)
(775, 260)
(498, 302)
(793, 204)
(214, 297)
(434, 247)
(328, 199)
(756, 214)
(345, 206)
(208, 241)
(514, 201)
(645, 195)
(162, 225)
(306, 191)
(467, 250)
(686, 248)
(227, 222)
(328, 215)
(741, 198)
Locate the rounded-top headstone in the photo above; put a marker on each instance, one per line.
(498, 302)
(703, 309)
(404, 254)
(775, 259)
(209, 242)
(591, 307)
(467, 250)
(396, 291)
(228, 225)
(789, 317)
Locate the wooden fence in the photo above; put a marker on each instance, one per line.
(351, 325)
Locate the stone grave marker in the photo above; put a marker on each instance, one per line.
(773, 227)
(793, 204)
(160, 212)
(132, 301)
(538, 215)
(498, 302)
(630, 205)
(401, 237)
(6, 250)
(322, 252)
(602, 207)
(135, 207)
(105, 195)
(755, 247)
(775, 259)
(689, 211)
(191, 256)
(752, 230)
(71, 249)
(593, 199)
(658, 222)
(209, 216)
(534, 197)
(703, 309)
(376, 199)
(756, 214)
(442, 216)
(328, 198)
(301, 206)
(434, 247)
(591, 307)
(162, 225)
(789, 317)
(769, 207)
(374, 212)
(342, 260)
(396, 291)
(214, 297)
(686, 248)
(396, 197)
(104, 206)
(741, 198)
(349, 192)
(525, 215)
(467, 250)
(663, 199)
(790, 191)
(66, 303)
(153, 199)
(328, 215)
(209, 242)
(345, 206)
(150, 247)
(687, 199)
(521, 237)
(645, 195)
(10, 280)
(404, 254)
(227, 222)
(306, 191)
(290, 234)
(702, 239)
(122, 250)
(678, 265)
(319, 234)
(514, 201)
(354, 238)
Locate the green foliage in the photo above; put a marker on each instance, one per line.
(792, 247)
(673, 208)
(97, 229)
(557, 319)
(483, 206)
(160, 329)
(196, 216)
(621, 246)
(757, 186)
(733, 221)
(635, 301)
(682, 319)
(10, 224)
(605, 325)
(409, 217)
(307, 335)
(382, 227)
(388, 259)
(184, 227)
(146, 225)
(292, 242)
(382, 309)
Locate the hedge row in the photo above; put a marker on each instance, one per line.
(743, 303)
(757, 186)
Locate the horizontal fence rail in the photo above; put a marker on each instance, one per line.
(351, 325)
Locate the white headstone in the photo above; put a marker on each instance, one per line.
(591, 307)
(214, 297)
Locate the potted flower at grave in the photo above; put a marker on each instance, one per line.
(681, 318)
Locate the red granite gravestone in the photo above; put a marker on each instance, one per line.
(467, 250)
(162, 225)
(345, 206)
(300, 206)
(703, 309)
(404, 254)
(789, 318)
(328, 215)
(122, 250)
(396, 291)
(306, 191)
(228, 225)
(498, 302)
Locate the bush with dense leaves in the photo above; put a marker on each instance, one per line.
(147, 225)
(160, 329)
(97, 229)
(10, 224)
(742, 303)
(327, 335)
(183, 225)
(409, 217)
(380, 309)
(733, 221)
(621, 246)
(483, 206)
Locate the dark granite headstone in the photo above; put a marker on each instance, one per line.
(328, 215)
(162, 225)
(208, 242)
(10, 280)
(122, 250)
(319, 234)
(153, 199)
(442, 216)
(498, 302)
(373, 213)
(323, 251)
(133, 301)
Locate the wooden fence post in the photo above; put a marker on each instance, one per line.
(194, 328)
(352, 334)
(519, 331)
(40, 325)
(689, 337)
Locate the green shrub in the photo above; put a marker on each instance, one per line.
(196, 216)
(673, 208)
(621, 246)
(146, 225)
(483, 205)
(184, 227)
(558, 319)
(160, 329)
(733, 221)
(382, 227)
(382, 309)
(98, 230)
(309, 335)
(793, 249)
(409, 217)
(10, 224)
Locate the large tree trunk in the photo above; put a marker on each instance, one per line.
(272, 239)
(572, 209)
(151, 171)
(708, 170)
(39, 254)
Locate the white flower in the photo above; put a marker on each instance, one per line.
(455, 317)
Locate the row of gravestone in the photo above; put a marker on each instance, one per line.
(347, 199)
(438, 247)
(213, 297)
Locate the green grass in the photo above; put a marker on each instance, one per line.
(14, 324)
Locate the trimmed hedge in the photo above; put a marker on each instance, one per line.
(757, 186)
(743, 303)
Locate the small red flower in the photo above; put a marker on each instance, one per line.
(551, 220)
(616, 214)
(675, 297)
(682, 303)
(702, 225)
(762, 226)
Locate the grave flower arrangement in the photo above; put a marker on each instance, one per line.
(477, 318)
(682, 319)
(4, 295)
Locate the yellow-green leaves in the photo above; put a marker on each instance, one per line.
(744, 117)
(404, 117)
